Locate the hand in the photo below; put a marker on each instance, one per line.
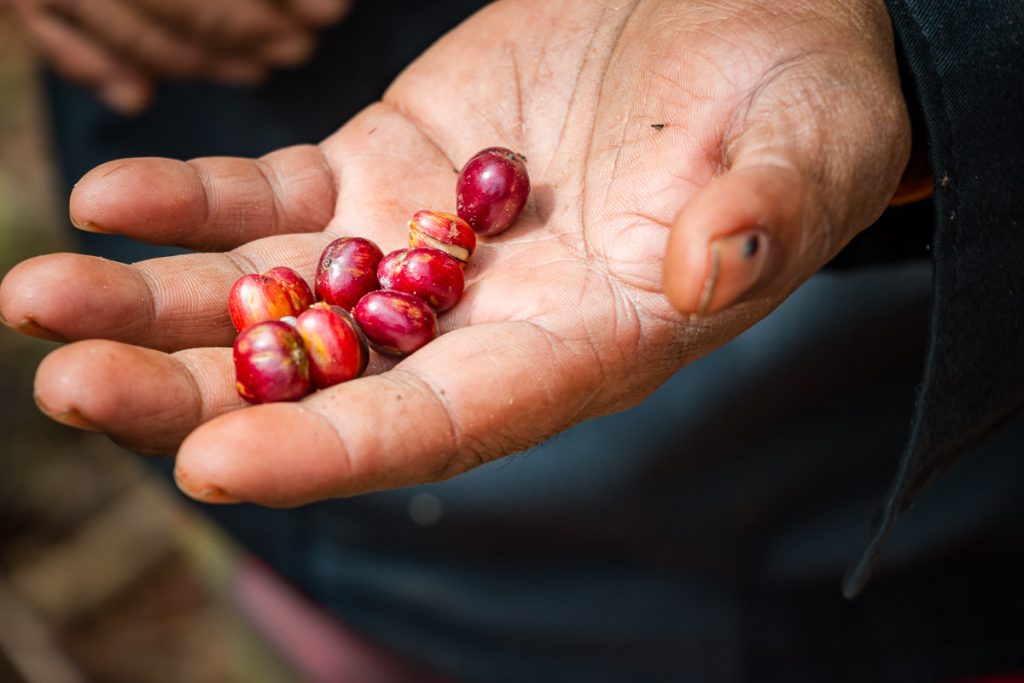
(687, 158)
(118, 47)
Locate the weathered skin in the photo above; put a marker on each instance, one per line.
(654, 129)
(395, 323)
(335, 345)
(444, 231)
(427, 274)
(347, 271)
(271, 363)
(277, 293)
(492, 190)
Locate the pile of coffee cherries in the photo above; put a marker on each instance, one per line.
(291, 343)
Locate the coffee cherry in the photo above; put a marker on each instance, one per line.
(386, 268)
(334, 343)
(444, 231)
(492, 190)
(427, 274)
(274, 294)
(271, 363)
(395, 323)
(347, 271)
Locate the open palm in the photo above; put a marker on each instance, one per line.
(654, 132)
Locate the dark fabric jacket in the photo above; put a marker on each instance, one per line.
(966, 61)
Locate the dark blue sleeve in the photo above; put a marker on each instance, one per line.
(966, 66)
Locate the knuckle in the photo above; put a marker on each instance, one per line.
(459, 462)
(461, 453)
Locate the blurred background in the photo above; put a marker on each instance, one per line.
(106, 574)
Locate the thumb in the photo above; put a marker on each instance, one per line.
(804, 174)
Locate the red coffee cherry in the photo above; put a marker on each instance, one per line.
(334, 343)
(427, 274)
(386, 268)
(277, 293)
(395, 323)
(444, 231)
(271, 363)
(347, 271)
(492, 190)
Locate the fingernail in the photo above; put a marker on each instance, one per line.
(73, 418)
(204, 494)
(737, 262)
(89, 227)
(212, 494)
(30, 327)
(125, 97)
(70, 417)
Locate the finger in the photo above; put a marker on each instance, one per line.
(236, 70)
(211, 203)
(181, 301)
(138, 38)
(250, 26)
(85, 61)
(168, 303)
(803, 177)
(146, 400)
(427, 420)
(289, 50)
(319, 12)
(741, 238)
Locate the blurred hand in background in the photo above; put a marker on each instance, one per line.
(120, 48)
